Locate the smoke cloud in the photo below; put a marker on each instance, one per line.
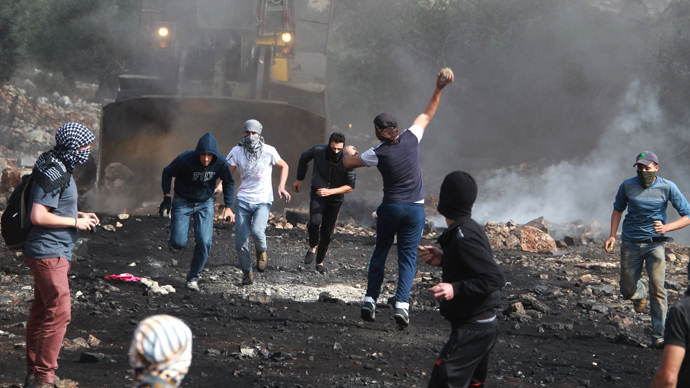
(549, 121)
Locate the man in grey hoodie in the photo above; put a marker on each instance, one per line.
(196, 173)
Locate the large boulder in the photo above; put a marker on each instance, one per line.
(535, 240)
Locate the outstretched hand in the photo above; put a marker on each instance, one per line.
(430, 254)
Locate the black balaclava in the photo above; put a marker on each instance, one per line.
(333, 156)
(458, 193)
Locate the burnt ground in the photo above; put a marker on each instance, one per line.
(575, 332)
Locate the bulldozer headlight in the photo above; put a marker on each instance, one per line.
(163, 34)
(286, 37)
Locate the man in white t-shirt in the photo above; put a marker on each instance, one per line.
(254, 160)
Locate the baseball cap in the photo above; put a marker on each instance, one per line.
(645, 158)
(385, 120)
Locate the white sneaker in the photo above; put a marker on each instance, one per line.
(194, 286)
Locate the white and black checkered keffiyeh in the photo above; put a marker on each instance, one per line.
(53, 168)
(161, 352)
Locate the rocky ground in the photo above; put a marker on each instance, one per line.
(563, 324)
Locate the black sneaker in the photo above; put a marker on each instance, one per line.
(321, 268)
(369, 311)
(309, 257)
(402, 316)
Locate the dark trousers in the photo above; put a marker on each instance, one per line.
(323, 213)
(464, 360)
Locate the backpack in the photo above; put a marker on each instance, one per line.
(15, 224)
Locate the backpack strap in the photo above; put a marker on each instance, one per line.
(26, 202)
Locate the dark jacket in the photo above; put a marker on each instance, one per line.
(326, 174)
(193, 181)
(468, 264)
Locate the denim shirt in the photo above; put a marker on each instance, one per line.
(647, 205)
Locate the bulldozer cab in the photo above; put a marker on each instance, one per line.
(208, 66)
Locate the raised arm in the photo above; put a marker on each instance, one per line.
(424, 119)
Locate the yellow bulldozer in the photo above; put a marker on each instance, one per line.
(208, 66)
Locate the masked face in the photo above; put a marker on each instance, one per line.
(252, 142)
(81, 156)
(334, 152)
(646, 178)
(647, 174)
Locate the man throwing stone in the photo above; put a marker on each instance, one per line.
(401, 212)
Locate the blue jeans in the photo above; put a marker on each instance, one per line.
(202, 212)
(653, 257)
(250, 218)
(407, 221)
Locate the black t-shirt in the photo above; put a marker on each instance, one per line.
(677, 332)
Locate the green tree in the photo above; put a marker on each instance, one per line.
(9, 44)
(81, 39)
(672, 66)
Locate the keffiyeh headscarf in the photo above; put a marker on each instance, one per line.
(253, 145)
(53, 168)
(161, 352)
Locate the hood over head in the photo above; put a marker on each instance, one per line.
(458, 193)
(207, 145)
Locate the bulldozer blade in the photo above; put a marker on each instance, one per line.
(145, 134)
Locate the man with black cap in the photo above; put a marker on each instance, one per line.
(470, 286)
(196, 172)
(646, 197)
(401, 212)
(674, 369)
(330, 181)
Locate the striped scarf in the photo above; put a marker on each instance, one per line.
(161, 352)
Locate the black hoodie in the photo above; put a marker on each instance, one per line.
(193, 181)
(468, 263)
